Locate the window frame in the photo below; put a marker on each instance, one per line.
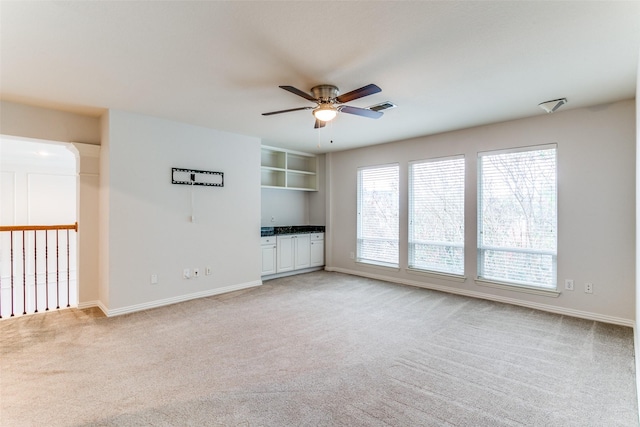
(410, 220)
(480, 248)
(359, 229)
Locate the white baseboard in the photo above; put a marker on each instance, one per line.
(636, 347)
(169, 301)
(91, 304)
(544, 307)
(291, 273)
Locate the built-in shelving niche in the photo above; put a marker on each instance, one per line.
(293, 170)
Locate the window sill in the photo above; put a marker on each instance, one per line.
(381, 266)
(437, 275)
(554, 293)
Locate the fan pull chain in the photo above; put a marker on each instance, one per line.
(331, 131)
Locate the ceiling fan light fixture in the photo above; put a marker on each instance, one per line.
(325, 112)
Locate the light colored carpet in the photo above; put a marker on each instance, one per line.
(320, 349)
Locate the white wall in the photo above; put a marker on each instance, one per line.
(104, 213)
(88, 214)
(317, 199)
(281, 207)
(596, 205)
(637, 296)
(38, 183)
(146, 228)
(43, 123)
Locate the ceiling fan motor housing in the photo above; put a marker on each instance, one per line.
(325, 93)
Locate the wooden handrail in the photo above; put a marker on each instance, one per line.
(38, 227)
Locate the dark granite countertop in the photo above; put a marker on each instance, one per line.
(291, 229)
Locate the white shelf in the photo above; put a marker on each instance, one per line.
(287, 169)
(272, 178)
(305, 163)
(300, 172)
(273, 159)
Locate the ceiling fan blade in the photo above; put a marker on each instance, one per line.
(286, 111)
(298, 92)
(319, 124)
(358, 93)
(364, 112)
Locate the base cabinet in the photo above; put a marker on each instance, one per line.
(269, 255)
(317, 250)
(292, 252)
(302, 258)
(284, 254)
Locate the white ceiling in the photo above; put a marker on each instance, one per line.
(447, 65)
(22, 152)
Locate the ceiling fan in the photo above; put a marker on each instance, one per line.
(329, 104)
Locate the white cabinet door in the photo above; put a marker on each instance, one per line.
(303, 253)
(317, 253)
(317, 249)
(268, 259)
(268, 244)
(285, 253)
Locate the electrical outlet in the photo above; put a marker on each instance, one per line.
(352, 255)
(207, 271)
(588, 288)
(568, 284)
(196, 273)
(186, 274)
(154, 279)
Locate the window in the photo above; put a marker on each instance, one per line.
(436, 215)
(378, 201)
(517, 217)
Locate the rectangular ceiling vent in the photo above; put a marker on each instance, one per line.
(383, 106)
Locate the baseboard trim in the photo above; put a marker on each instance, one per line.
(180, 298)
(543, 307)
(92, 304)
(636, 348)
(291, 273)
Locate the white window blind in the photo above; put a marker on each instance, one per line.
(436, 215)
(378, 222)
(517, 217)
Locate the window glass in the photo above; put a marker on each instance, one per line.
(436, 215)
(517, 217)
(378, 224)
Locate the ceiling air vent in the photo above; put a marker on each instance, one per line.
(383, 106)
